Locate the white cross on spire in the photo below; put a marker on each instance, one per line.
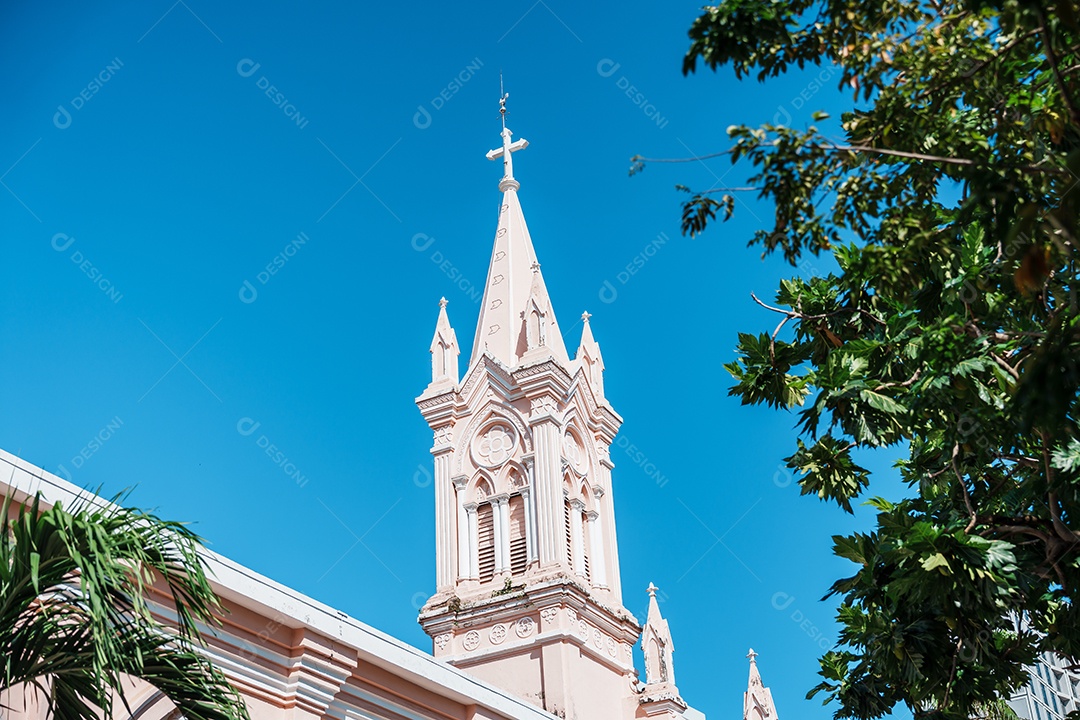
(508, 148)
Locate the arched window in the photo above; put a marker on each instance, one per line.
(653, 666)
(536, 327)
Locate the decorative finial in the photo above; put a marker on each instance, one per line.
(652, 588)
(752, 655)
(508, 148)
(585, 319)
(503, 97)
(443, 302)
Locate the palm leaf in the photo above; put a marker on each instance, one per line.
(75, 615)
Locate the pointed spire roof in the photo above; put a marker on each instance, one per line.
(443, 331)
(513, 285)
(589, 357)
(444, 351)
(757, 701)
(588, 346)
(654, 617)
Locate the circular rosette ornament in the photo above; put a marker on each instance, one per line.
(495, 445)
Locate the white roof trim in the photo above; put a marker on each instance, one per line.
(248, 588)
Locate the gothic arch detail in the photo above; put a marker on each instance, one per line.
(513, 478)
(481, 488)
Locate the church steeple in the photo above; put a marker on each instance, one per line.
(527, 566)
(757, 701)
(514, 286)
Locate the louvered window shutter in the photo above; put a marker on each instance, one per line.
(586, 545)
(485, 523)
(519, 558)
(569, 535)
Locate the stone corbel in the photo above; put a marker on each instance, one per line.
(319, 668)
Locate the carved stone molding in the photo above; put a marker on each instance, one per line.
(548, 366)
(525, 627)
(496, 445)
(436, 401)
(544, 405)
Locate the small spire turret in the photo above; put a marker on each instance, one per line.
(588, 355)
(659, 696)
(657, 646)
(444, 350)
(757, 701)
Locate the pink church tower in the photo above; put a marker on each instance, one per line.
(528, 595)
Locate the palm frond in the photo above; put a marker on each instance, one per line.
(75, 612)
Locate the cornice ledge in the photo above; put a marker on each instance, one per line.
(665, 698)
(544, 366)
(425, 402)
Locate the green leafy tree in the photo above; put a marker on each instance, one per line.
(948, 196)
(75, 618)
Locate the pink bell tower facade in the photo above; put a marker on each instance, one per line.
(528, 594)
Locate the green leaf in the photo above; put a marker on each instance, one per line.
(883, 403)
(937, 560)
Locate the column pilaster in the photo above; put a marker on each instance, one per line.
(500, 511)
(460, 484)
(577, 536)
(474, 560)
(445, 517)
(597, 563)
(611, 545)
(547, 480)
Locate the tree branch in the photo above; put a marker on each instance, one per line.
(963, 486)
(1017, 530)
(728, 189)
(828, 147)
(907, 383)
(1051, 57)
(1006, 366)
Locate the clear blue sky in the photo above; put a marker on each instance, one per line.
(147, 176)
